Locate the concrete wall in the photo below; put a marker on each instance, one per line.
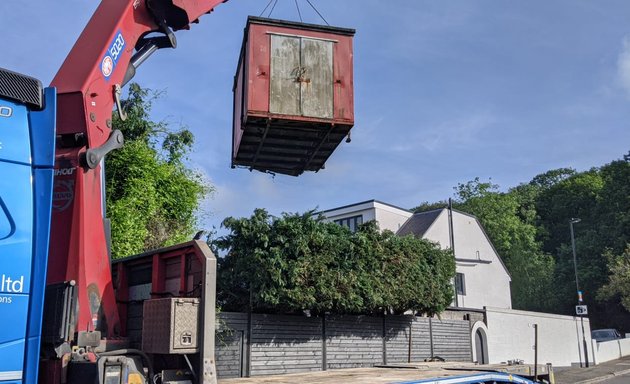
(365, 209)
(279, 344)
(487, 280)
(510, 336)
(610, 350)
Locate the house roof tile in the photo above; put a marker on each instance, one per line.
(419, 223)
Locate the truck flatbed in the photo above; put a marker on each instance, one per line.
(391, 374)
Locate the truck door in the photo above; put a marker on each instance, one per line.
(27, 122)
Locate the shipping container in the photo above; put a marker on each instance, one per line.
(293, 95)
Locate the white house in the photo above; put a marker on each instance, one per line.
(498, 333)
(386, 215)
(482, 279)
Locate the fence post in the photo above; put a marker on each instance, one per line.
(324, 359)
(384, 338)
(410, 338)
(431, 335)
(248, 353)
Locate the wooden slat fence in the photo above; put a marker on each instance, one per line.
(291, 344)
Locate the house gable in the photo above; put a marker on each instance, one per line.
(487, 280)
(482, 276)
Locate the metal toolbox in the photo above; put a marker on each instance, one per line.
(171, 325)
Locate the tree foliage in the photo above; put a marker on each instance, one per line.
(514, 236)
(296, 262)
(618, 285)
(152, 195)
(529, 226)
(600, 197)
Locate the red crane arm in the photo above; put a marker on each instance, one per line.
(118, 37)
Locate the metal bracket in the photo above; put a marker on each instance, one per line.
(121, 111)
(93, 156)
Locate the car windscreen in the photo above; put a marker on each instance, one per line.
(601, 334)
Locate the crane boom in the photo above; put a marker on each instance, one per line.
(119, 36)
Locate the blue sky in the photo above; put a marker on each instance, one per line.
(445, 91)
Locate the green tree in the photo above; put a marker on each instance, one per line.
(600, 197)
(618, 286)
(294, 263)
(426, 206)
(152, 195)
(529, 225)
(514, 236)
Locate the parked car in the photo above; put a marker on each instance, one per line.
(605, 334)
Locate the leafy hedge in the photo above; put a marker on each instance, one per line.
(152, 194)
(296, 262)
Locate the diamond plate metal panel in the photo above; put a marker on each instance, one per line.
(170, 326)
(186, 323)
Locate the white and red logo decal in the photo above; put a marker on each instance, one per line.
(107, 66)
(112, 55)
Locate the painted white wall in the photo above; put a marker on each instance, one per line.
(367, 213)
(511, 336)
(610, 350)
(487, 281)
(390, 218)
(386, 216)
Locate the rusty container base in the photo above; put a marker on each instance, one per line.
(287, 146)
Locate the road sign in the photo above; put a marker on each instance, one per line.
(581, 310)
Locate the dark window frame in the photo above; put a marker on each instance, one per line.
(460, 284)
(352, 222)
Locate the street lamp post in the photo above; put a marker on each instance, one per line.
(577, 287)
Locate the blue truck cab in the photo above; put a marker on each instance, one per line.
(27, 144)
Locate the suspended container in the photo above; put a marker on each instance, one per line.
(293, 95)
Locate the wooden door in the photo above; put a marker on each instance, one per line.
(301, 76)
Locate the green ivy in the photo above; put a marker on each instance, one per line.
(152, 195)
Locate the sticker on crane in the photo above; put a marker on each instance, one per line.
(63, 194)
(108, 64)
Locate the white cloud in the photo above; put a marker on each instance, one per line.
(623, 65)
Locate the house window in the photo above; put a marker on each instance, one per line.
(460, 284)
(351, 222)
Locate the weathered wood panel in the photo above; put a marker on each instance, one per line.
(285, 344)
(397, 329)
(421, 340)
(231, 344)
(291, 344)
(317, 78)
(354, 341)
(451, 339)
(285, 69)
